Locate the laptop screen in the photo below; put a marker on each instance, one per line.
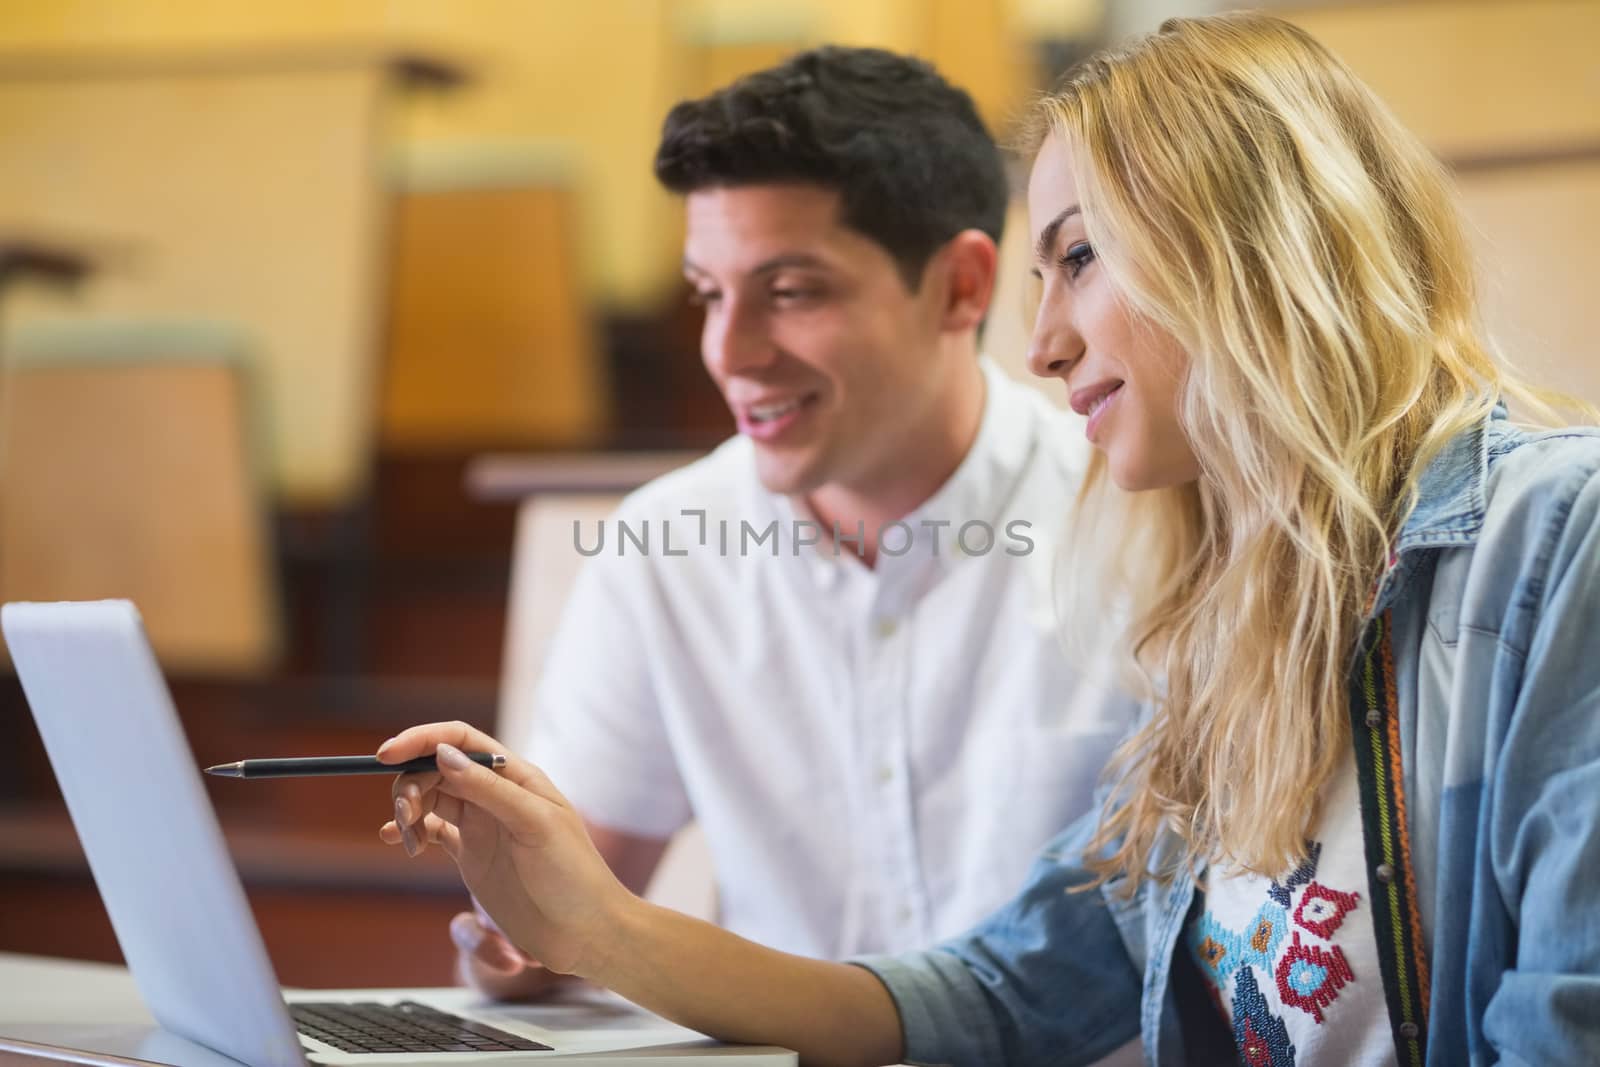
(147, 827)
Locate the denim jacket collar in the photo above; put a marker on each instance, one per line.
(1449, 508)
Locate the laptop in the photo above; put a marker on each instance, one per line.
(180, 913)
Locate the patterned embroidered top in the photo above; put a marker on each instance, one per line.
(1292, 964)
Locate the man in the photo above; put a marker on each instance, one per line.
(833, 644)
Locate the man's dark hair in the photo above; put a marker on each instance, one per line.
(905, 149)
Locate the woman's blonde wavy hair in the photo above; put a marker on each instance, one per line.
(1249, 196)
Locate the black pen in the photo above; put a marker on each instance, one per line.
(309, 766)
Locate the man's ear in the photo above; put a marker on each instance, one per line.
(970, 264)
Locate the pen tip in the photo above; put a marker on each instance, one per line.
(226, 770)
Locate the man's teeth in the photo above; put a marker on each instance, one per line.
(774, 411)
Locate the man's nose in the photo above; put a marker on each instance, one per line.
(735, 340)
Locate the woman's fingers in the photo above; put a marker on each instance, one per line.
(412, 787)
(429, 807)
(435, 831)
(516, 800)
(412, 811)
(533, 780)
(422, 740)
(418, 835)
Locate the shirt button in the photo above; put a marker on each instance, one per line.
(905, 915)
(1385, 873)
(886, 628)
(1374, 718)
(885, 775)
(1408, 1031)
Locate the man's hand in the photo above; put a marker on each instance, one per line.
(491, 964)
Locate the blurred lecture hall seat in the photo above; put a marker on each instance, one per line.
(27, 258)
(558, 497)
(165, 460)
(131, 467)
(725, 43)
(490, 343)
(251, 181)
(130, 464)
(980, 45)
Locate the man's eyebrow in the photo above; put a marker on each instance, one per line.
(767, 266)
(789, 259)
(1047, 236)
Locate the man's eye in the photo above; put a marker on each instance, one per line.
(702, 297)
(792, 295)
(1076, 258)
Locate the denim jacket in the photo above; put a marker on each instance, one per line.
(1493, 598)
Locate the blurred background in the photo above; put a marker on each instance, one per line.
(318, 320)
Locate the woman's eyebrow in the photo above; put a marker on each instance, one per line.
(1047, 236)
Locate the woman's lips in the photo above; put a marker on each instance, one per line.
(1098, 408)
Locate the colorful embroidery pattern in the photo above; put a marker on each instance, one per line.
(1310, 979)
(1302, 874)
(1322, 910)
(1259, 1035)
(1306, 975)
(1221, 951)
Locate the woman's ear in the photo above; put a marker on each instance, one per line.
(971, 262)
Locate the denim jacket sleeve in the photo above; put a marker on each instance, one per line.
(1543, 794)
(1046, 979)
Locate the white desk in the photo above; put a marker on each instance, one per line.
(77, 1012)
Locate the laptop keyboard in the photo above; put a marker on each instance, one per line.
(402, 1027)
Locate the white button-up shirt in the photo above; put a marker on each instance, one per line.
(874, 755)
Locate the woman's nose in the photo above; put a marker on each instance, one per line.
(1055, 345)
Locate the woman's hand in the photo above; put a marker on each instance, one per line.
(523, 852)
(520, 847)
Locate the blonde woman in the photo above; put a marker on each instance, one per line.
(1360, 823)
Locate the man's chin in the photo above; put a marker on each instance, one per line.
(786, 478)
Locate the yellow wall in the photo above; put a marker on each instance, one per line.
(252, 198)
(123, 23)
(1510, 79)
(1468, 75)
(599, 75)
(594, 73)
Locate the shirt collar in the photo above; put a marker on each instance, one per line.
(1450, 503)
(978, 489)
(984, 478)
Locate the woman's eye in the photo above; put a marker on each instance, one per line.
(1076, 258)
